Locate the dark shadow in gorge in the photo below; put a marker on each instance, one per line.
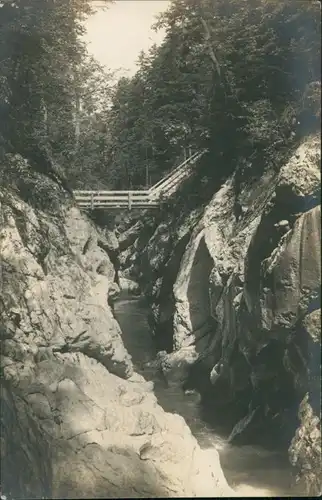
(165, 300)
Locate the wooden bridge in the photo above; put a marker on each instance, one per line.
(149, 198)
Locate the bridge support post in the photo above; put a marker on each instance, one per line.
(130, 200)
(92, 201)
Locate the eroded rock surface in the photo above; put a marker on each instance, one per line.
(76, 422)
(235, 287)
(85, 433)
(305, 449)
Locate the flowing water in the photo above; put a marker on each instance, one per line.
(250, 470)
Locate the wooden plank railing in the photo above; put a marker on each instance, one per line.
(101, 199)
(142, 198)
(179, 168)
(170, 182)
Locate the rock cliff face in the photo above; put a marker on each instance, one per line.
(234, 291)
(76, 421)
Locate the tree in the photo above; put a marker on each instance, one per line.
(42, 59)
(231, 76)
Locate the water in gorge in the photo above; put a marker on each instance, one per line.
(250, 470)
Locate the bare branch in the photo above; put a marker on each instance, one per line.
(210, 47)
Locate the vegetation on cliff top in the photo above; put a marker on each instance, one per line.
(48, 86)
(240, 78)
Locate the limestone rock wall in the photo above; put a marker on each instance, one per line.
(231, 288)
(76, 421)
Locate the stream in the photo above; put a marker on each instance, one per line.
(250, 470)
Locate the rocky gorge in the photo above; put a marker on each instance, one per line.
(160, 256)
(233, 288)
(234, 319)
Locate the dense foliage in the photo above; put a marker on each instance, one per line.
(49, 87)
(238, 77)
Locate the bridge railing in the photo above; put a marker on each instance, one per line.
(142, 198)
(182, 165)
(102, 199)
(171, 181)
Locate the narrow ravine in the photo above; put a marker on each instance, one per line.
(250, 470)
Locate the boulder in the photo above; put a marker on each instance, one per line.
(175, 366)
(129, 286)
(128, 237)
(74, 430)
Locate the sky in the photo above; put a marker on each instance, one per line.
(116, 35)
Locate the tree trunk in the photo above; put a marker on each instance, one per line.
(77, 119)
(210, 47)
